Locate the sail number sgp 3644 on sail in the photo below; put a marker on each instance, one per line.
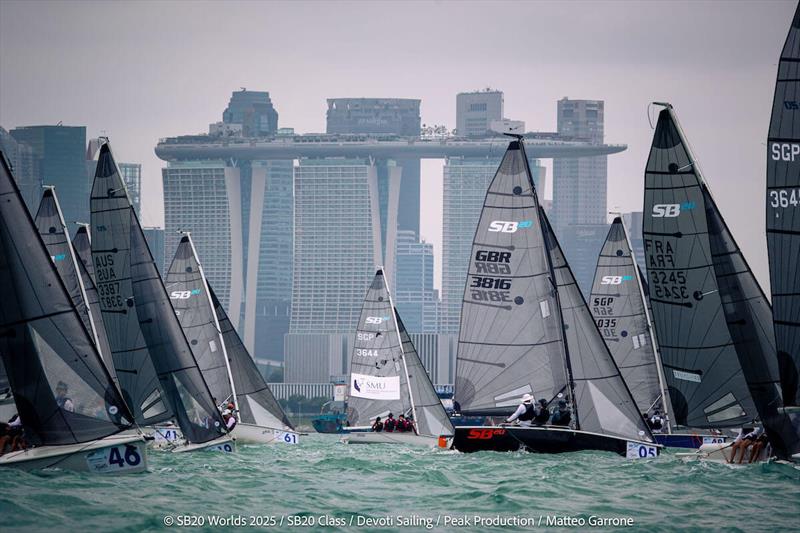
(784, 198)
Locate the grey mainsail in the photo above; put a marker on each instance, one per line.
(510, 339)
(704, 376)
(62, 391)
(190, 298)
(378, 383)
(620, 311)
(432, 419)
(783, 213)
(602, 399)
(257, 404)
(112, 226)
(123, 261)
(82, 244)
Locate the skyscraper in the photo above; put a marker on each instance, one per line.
(60, 151)
(414, 295)
(579, 190)
(25, 164)
(155, 240)
(132, 177)
(475, 112)
(254, 111)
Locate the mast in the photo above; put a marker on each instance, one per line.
(650, 329)
(216, 320)
(402, 351)
(568, 364)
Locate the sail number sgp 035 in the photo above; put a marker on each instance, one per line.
(489, 288)
(602, 305)
(783, 198)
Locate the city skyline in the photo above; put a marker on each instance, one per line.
(728, 54)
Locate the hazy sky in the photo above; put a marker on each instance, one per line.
(138, 71)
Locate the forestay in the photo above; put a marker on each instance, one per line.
(619, 309)
(62, 391)
(510, 340)
(783, 213)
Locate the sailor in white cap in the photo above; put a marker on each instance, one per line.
(525, 412)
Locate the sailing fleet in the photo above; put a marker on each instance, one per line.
(104, 358)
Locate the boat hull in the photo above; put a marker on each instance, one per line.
(386, 437)
(546, 439)
(117, 454)
(721, 453)
(329, 423)
(252, 434)
(687, 440)
(225, 444)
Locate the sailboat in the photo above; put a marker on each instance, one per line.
(712, 320)
(783, 215)
(620, 307)
(72, 414)
(387, 376)
(227, 367)
(526, 329)
(72, 270)
(156, 369)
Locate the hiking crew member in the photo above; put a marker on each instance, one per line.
(525, 413)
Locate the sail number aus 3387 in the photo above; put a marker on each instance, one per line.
(784, 198)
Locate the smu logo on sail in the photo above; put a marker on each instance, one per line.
(183, 295)
(375, 387)
(671, 210)
(503, 226)
(614, 280)
(376, 319)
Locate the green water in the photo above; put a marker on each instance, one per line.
(323, 480)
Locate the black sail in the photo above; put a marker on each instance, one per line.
(44, 344)
(112, 226)
(82, 244)
(603, 402)
(510, 340)
(619, 308)
(783, 213)
(704, 376)
(257, 404)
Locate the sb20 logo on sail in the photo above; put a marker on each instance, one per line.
(503, 226)
(671, 210)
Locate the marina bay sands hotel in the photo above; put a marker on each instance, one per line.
(290, 227)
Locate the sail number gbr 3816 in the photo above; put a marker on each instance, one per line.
(487, 283)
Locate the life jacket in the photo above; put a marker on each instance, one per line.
(528, 415)
(543, 416)
(390, 424)
(377, 427)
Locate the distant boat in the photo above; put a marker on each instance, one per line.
(526, 329)
(783, 214)
(72, 270)
(387, 376)
(620, 306)
(227, 367)
(72, 414)
(712, 320)
(155, 366)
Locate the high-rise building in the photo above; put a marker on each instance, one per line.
(60, 151)
(414, 295)
(464, 190)
(155, 241)
(476, 111)
(384, 116)
(25, 166)
(579, 190)
(254, 111)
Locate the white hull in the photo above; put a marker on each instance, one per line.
(224, 444)
(385, 437)
(118, 454)
(252, 434)
(721, 453)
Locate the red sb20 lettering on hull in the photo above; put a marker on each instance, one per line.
(484, 434)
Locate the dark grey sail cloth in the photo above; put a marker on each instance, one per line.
(620, 313)
(510, 339)
(257, 404)
(53, 231)
(112, 222)
(603, 401)
(704, 376)
(783, 213)
(749, 318)
(432, 419)
(190, 299)
(82, 244)
(43, 342)
(93, 299)
(378, 384)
